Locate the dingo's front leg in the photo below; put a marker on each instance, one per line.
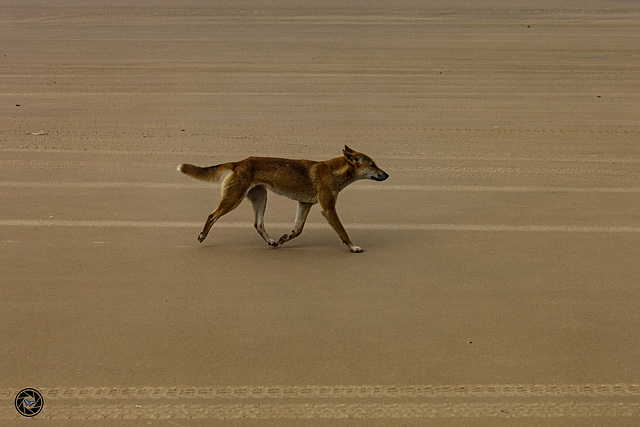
(329, 212)
(301, 217)
(334, 221)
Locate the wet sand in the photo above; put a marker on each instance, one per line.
(499, 282)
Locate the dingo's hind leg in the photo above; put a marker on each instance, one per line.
(233, 193)
(258, 197)
(301, 217)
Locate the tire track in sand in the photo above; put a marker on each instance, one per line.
(337, 402)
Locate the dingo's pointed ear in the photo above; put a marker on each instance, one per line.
(350, 155)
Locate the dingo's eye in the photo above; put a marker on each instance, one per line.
(373, 165)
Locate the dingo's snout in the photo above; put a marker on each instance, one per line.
(380, 176)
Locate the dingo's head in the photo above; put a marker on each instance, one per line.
(364, 165)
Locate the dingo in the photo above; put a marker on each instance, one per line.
(306, 181)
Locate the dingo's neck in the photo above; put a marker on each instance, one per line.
(344, 172)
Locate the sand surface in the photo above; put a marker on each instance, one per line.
(500, 279)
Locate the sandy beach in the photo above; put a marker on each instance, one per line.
(500, 280)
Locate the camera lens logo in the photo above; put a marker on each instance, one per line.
(29, 402)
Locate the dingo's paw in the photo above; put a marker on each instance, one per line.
(355, 249)
(201, 237)
(273, 243)
(284, 238)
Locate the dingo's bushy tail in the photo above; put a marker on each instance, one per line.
(211, 173)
